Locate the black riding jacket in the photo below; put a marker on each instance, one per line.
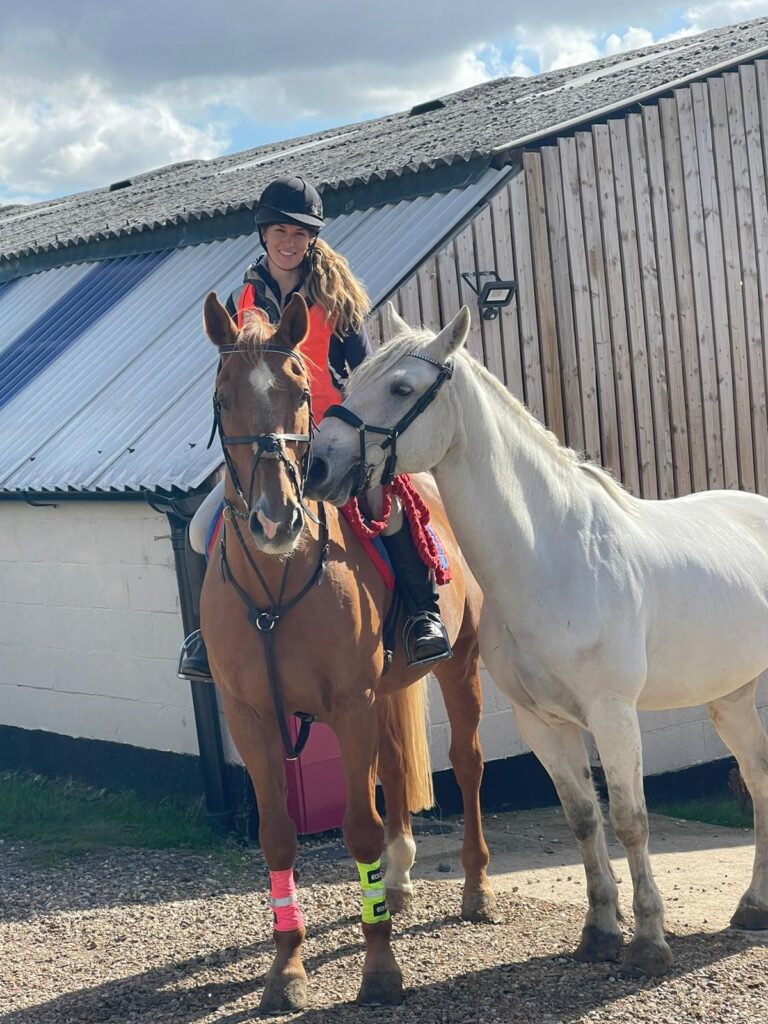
(345, 352)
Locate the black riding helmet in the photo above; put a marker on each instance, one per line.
(289, 200)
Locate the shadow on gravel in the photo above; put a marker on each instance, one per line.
(540, 987)
(140, 877)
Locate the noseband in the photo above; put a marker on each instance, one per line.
(391, 434)
(269, 446)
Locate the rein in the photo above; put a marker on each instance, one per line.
(266, 620)
(365, 469)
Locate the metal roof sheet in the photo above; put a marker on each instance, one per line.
(123, 403)
(482, 121)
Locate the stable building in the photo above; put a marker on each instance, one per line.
(622, 205)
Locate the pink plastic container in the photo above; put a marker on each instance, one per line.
(317, 789)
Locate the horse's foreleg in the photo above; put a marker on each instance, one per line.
(613, 722)
(460, 684)
(401, 849)
(382, 983)
(736, 719)
(259, 746)
(560, 748)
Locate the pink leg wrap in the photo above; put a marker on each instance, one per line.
(284, 901)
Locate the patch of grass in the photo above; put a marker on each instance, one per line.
(64, 818)
(712, 811)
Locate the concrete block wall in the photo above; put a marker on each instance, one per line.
(90, 624)
(90, 630)
(671, 739)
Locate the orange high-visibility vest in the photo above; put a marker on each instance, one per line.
(315, 351)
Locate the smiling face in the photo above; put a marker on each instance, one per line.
(286, 244)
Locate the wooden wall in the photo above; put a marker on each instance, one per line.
(640, 251)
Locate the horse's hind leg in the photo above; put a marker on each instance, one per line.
(614, 725)
(259, 746)
(560, 748)
(459, 681)
(356, 731)
(736, 719)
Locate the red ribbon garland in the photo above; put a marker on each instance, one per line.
(417, 514)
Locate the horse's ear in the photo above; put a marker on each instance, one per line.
(294, 323)
(451, 338)
(393, 322)
(219, 325)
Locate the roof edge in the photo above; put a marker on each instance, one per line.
(201, 226)
(498, 153)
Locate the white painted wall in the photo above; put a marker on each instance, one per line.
(671, 739)
(90, 625)
(90, 630)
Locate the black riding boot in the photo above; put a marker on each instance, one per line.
(193, 659)
(424, 634)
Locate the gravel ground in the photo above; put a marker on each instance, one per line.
(165, 937)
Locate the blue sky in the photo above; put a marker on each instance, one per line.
(94, 92)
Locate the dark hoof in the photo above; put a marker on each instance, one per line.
(648, 958)
(399, 901)
(750, 917)
(480, 906)
(284, 994)
(597, 946)
(381, 988)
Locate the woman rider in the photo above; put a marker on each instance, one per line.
(289, 216)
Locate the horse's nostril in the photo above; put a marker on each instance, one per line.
(318, 471)
(297, 520)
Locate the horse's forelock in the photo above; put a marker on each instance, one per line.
(256, 333)
(386, 357)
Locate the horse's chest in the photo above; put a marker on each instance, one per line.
(538, 675)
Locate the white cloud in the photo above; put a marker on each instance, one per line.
(633, 39)
(700, 17)
(145, 84)
(82, 136)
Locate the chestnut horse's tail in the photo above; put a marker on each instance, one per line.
(406, 717)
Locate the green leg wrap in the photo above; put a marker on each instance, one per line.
(374, 897)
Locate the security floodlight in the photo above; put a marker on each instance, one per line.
(493, 295)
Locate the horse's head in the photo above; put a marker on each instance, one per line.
(262, 409)
(394, 417)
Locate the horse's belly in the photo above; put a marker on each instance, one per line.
(693, 663)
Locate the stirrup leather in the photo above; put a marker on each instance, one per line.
(410, 654)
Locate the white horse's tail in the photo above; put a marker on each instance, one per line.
(405, 714)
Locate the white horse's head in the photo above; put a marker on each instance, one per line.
(405, 374)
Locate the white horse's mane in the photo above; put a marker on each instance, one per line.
(413, 339)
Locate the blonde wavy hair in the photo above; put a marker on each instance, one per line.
(331, 284)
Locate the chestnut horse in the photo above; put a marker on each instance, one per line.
(327, 654)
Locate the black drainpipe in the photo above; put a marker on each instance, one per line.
(218, 803)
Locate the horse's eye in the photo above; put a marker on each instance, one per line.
(401, 389)
(304, 398)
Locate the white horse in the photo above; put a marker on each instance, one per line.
(597, 603)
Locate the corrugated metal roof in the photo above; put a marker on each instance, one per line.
(125, 404)
(479, 122)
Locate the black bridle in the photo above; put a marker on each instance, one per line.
(391, 434)
(266, 620)
(271, 446)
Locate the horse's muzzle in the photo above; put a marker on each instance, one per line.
(275, 536)
(320, 485)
